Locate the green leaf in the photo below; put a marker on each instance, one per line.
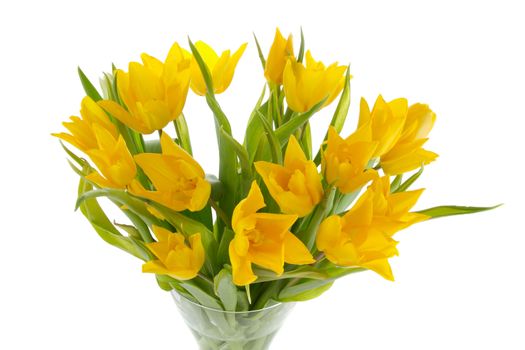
(152, 146)
(225, 289)
(309, 289)
(306, 140)
(202, 66)
(244, 160)
(90, 90)
(274, 143)
(103, 226)
(259, 51)
(255, 129)
(202, 297)
(304, 291)
(130, 230)
(284, 131)
(217, 189)
(80, 161)
(224, 245)
(345, 201)
(405, 185)
(243, 304)
(300, 272)
(395, 184)
(341, 112)
(181, 127)
(300, 56)
(449, 210)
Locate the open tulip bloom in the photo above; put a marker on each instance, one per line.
(282, 220)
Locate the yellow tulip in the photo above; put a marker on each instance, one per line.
(363, 236)
(280, 52)
(113, 159)
(345, 161)
(82, 135)
(221, 68)
(296, 186)
(153, 92)
(263, 239)
(306, 86)
(408, 153)
(386, 120)
(174, 257)
(178, 179)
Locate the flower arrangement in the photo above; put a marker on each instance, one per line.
(282, 220)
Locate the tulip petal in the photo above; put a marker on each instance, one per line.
(241, 268)
(295, 252)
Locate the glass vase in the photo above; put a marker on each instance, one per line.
(227, 330)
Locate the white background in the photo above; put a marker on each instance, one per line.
(459, 281)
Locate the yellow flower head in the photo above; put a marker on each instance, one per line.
(113, 159)
(345, 161)
(296, 186)
(408, 153)
(153, 92)
(174, 257)
(82, 135)
(221, 68)
(306, 86)
(280, 52)
(363, 236)
(263, 239)
(386, 119)
(178, 179)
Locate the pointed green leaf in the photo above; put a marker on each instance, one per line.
(259, 51)
(284, 132)
(304, 291)
(395, 184)
(202, 66)
(130, 230)
(225, 289)
(275, 146)
(405, 185)
(306, 271)
(90, 90)
(300, 56)
(449, 210)
(341, 112)
(202, 297)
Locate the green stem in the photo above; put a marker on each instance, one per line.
(220, 213)
(308, 237)
(270, 291)
(181, 127)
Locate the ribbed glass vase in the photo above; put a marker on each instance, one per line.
(226, 330)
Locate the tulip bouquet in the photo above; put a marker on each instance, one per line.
(282, 220)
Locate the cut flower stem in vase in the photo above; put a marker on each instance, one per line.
(224, 330)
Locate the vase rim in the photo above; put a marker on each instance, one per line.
(277, 304)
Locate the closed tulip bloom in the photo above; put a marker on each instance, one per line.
(296, 186)
(113, 160)
(221, 68)
(306, 86)
(280, 52)
(81, 131)
(175, 257)
(363, 236)
(345, 161)
(153, 92)
(263, 239)
(178, 179)
(408, 153)
(387, 121)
